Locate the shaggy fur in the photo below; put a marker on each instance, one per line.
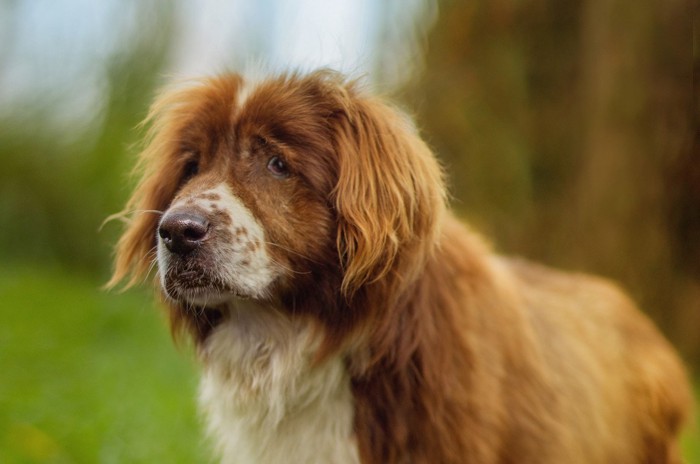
(342, 314)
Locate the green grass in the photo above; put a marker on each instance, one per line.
(91, 377)
(690, 442)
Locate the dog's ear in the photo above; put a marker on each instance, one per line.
(160, 171)
(389, 196)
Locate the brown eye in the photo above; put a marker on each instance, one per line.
(278, 167)
(189, 171)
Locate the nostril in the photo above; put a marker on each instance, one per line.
(182, 232)
(195, 231)
(163, 233)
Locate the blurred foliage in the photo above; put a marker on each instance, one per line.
(566, 128)
(58, 184)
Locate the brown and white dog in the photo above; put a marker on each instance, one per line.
(342, 315)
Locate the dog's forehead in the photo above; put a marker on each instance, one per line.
(234, 104)
(275, 108)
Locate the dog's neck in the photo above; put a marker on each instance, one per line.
(264, 397)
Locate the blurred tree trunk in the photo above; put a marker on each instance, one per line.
(566, 127)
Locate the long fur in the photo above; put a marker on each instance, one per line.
(384, 308)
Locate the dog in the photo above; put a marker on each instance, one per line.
(342, 314)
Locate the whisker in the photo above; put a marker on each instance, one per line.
(290, 251)
(288, 269)
(124, 216)
(154, 263)
(152, 211)
(152, 253)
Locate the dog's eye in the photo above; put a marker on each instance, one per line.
(278, 167)
(190, 170)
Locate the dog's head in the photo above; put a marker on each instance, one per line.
(298, 190)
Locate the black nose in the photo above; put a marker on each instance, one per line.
(183, 232)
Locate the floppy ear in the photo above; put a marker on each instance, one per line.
(389, 197)
(160, 172)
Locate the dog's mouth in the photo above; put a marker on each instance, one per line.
(199, 297)
(196, 287)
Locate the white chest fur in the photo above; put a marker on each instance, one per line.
(263, 399)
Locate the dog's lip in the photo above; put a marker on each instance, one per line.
(190, 275)
(183, 284)
(204, 295)
(197, 285)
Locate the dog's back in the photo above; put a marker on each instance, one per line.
(621, 392)
(522, 364)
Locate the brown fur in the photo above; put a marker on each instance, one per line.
(456, 355)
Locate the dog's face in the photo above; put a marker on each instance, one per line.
(250, 216)
(294, 190)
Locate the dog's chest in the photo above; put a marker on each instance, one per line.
(265, 403)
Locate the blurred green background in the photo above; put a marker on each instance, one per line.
(568, 130)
